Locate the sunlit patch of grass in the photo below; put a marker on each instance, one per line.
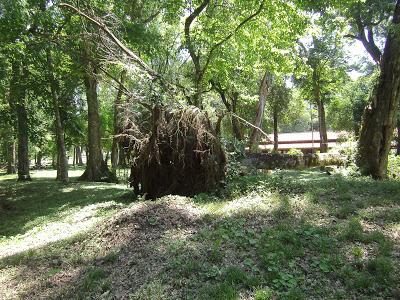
(154, 290)
(44, 211)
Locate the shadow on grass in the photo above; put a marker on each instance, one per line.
(25, 205)
(161, 251)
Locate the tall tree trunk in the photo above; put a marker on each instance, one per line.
(195, 55)
(79, 159)
(11, 157)
(62, 169)
(323, 135)
(255, 134)
(379, 119)
(231, 107)
(96, 169)
(398, 138)
(54, 161)
(17, 98)
(39, 157)
(74, 156)
(275, 112)
(117, 127)
(9, 137)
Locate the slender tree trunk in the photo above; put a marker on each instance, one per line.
(74, 156)
(379, 119)
(107, 157)
(17, 98)
(255, 135)
(39, 157)
(231, 107)
(10, 137)
(398, 137)
(321, 113)
(275, 130)
(323, 135)
(11, 157)
(79, 156)
(54, 161)
(117, 127)
(96, 169)
(62, 169)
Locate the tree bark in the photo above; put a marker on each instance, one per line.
(74, 156)
(96, 169)
(62, 168)
(39, 157)
(79, 160)
(264, 91)
(379, 119)
(198, 70)
(117, 127)
(398, 137)
(17, 98)
(276, 142)
(11, 157)
(321, 113)
(231, 107)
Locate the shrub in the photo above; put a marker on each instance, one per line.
(294, 152)
(394, 167)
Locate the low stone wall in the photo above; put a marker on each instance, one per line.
(271, 161)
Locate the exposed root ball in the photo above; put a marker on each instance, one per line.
(180, 156)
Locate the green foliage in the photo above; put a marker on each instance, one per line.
(394, 167)
(263, 294)
(294, 152)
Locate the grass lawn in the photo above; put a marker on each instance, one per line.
(284, 235)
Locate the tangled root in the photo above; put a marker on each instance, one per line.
(181, 155)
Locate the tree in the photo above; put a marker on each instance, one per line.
(278, 103)
(62, 169)
(117, 125)
(18, 101)
(227, 31)
(368, 22)
(96, 169)
(324, 71)
(263, 94)
(380, 116)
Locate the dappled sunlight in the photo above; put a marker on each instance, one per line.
(71, 223)
(394, 231)
(289, 233)
(68, 189)
(103, 186)
(250, 202)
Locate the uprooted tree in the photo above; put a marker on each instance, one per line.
(179, 155)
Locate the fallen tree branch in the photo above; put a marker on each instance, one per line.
(107, 31)
(251, 125)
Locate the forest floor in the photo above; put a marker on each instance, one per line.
(283, 235)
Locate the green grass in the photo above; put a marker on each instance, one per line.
(29, 206)
(285, 235)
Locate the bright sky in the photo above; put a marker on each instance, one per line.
(355, 53)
